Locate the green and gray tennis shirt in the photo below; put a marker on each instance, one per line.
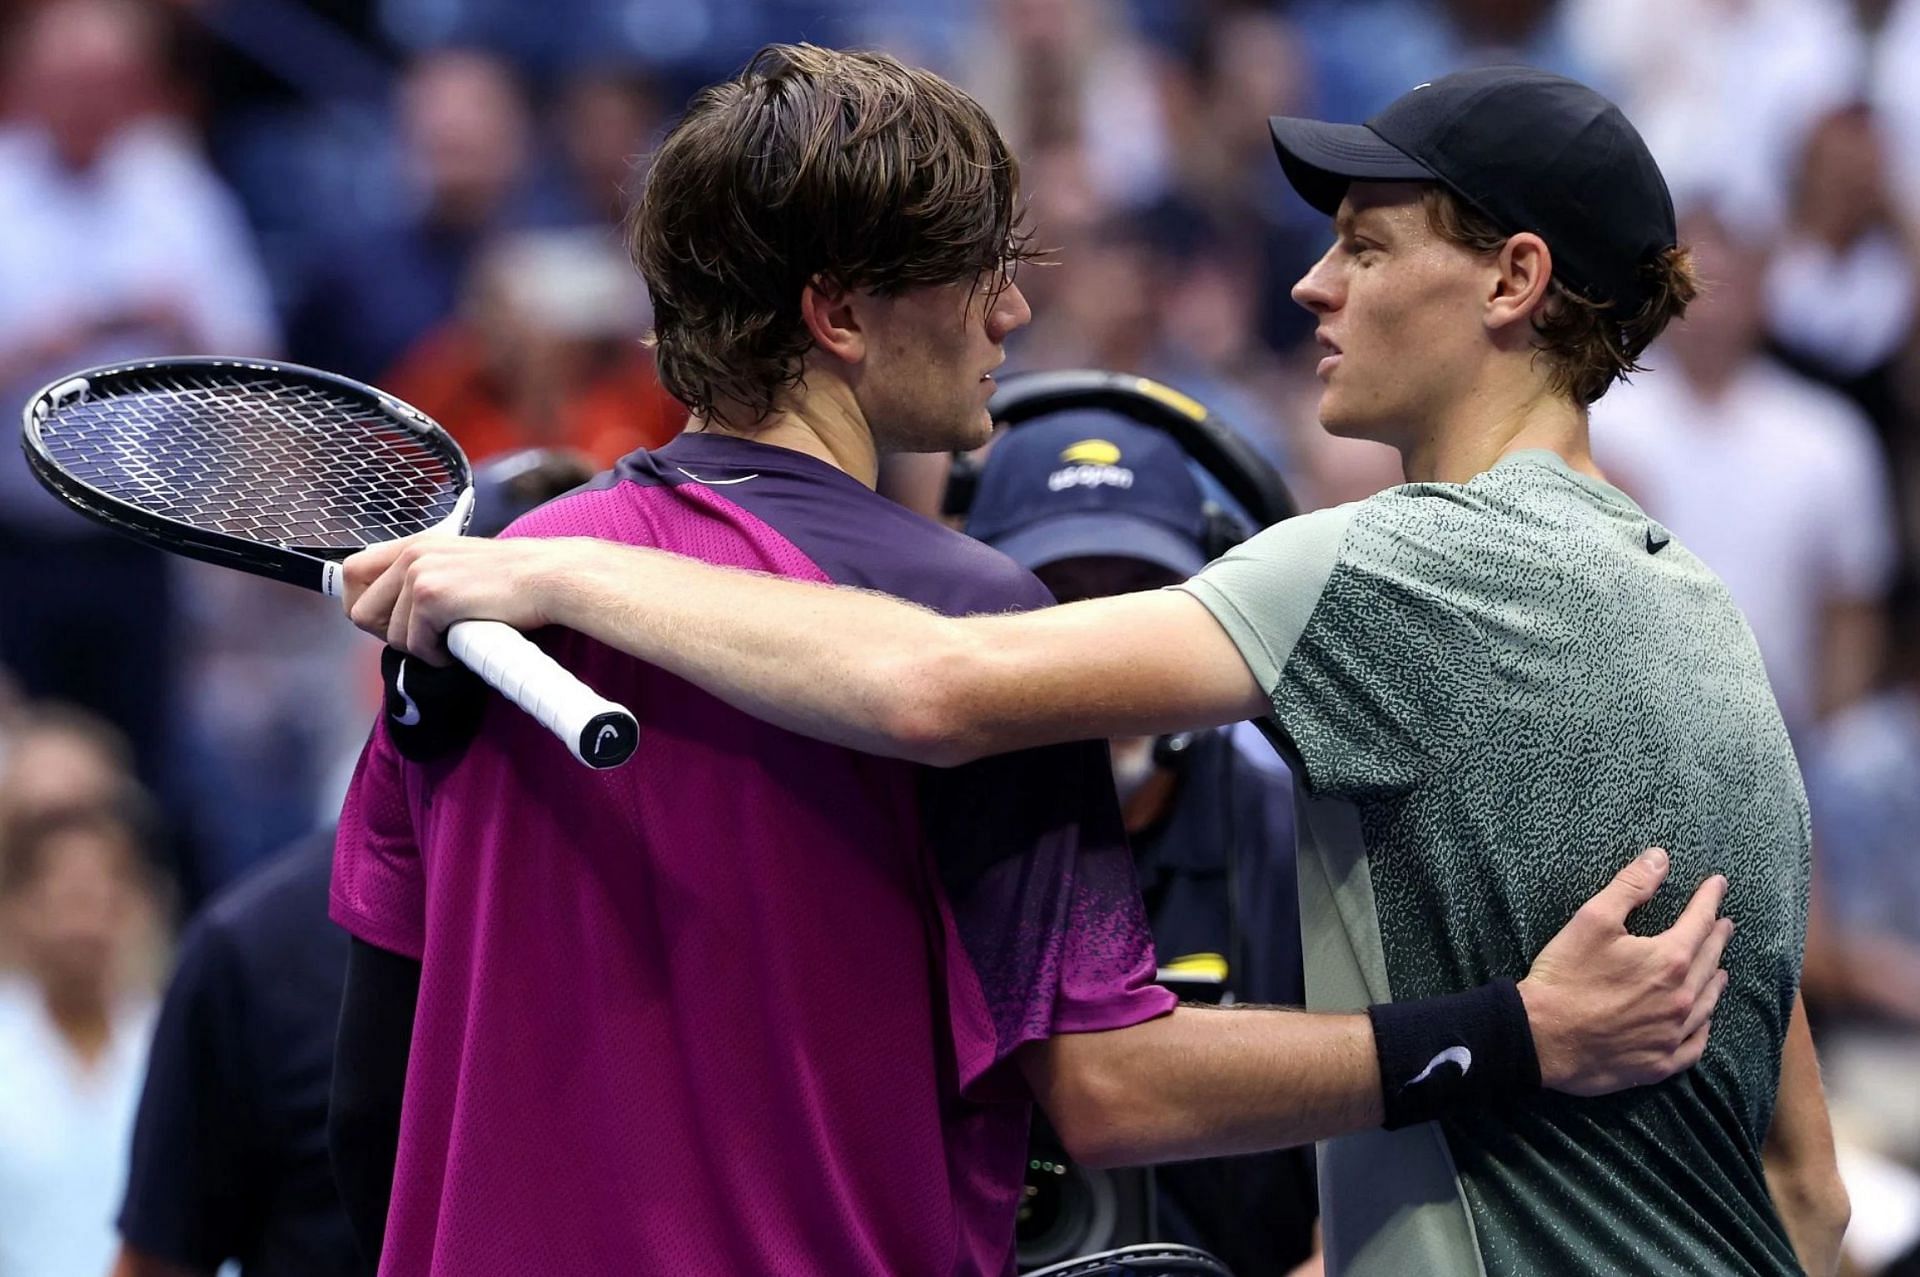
(1498, 692)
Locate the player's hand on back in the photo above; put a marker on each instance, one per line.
(1610, 1009)
(407, 592)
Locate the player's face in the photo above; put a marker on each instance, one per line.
(1400, 330)
(928, 375)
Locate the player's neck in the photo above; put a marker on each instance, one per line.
(1472, 437)
(825, 424)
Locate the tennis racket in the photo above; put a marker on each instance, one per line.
(1153, 1259)
(283, 471)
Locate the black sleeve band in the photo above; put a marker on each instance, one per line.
(369, 1078)
(1441, 1054)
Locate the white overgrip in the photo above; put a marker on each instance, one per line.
(595, 730)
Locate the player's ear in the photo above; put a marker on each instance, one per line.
(832, 315)
(1523, 269)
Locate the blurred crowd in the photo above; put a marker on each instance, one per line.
(426, 194)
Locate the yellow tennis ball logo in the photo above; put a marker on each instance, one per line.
(1091, 452)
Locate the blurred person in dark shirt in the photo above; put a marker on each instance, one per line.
(465, 137)
(229, 1151)
(229, 1156)
(1211, 829)
(545, 351)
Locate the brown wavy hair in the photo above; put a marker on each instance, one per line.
(1587, 346)
(847, 170)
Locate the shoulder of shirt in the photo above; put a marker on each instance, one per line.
(991, 580)
(928, 563)
(974, 576)
(1418, 510)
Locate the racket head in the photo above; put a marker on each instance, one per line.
(268, 467)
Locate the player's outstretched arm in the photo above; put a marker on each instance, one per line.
(1606, 1010)
(857, 668)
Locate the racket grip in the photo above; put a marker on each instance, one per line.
(599, 733)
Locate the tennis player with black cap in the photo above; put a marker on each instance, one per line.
(1492, 680)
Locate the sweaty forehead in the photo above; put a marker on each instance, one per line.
(1379, 206)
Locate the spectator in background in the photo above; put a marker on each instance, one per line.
(1866, 818)
(1211, 830)
(1368, 52)
(1103, 297)
(1776, 482)
(1209, 341)
(73, 1032)
(465, 135)
(605, 121)
(1867, 808)
(1847, 236)
(1251, 65)
(59, 759)
(1842, 289)
(1895, 92)
(1724, 91)
(119, 243)
(1072, 73)
(545, 352)
(229, 1154)
(262, 721)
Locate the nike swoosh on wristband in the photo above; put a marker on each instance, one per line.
(1452, 1055)
(412, 716)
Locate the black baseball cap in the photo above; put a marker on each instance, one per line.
(1529, 150)
(1089, 484)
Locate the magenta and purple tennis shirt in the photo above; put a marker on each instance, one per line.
(744, 1005)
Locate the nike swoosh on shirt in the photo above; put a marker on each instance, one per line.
(714, 483)
(1452, 1055)
(412, 716)
(1657, 539)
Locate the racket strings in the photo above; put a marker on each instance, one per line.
(276, 461)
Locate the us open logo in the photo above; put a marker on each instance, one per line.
(1091, 463)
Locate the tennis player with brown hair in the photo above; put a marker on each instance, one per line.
(760, 1004)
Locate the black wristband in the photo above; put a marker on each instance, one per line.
(1441, 1054)
(432, 711)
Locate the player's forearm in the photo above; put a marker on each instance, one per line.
(1815, 1210)
(830, 664)
(855, 668)
(1208, 1082)
(1802, 1170)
